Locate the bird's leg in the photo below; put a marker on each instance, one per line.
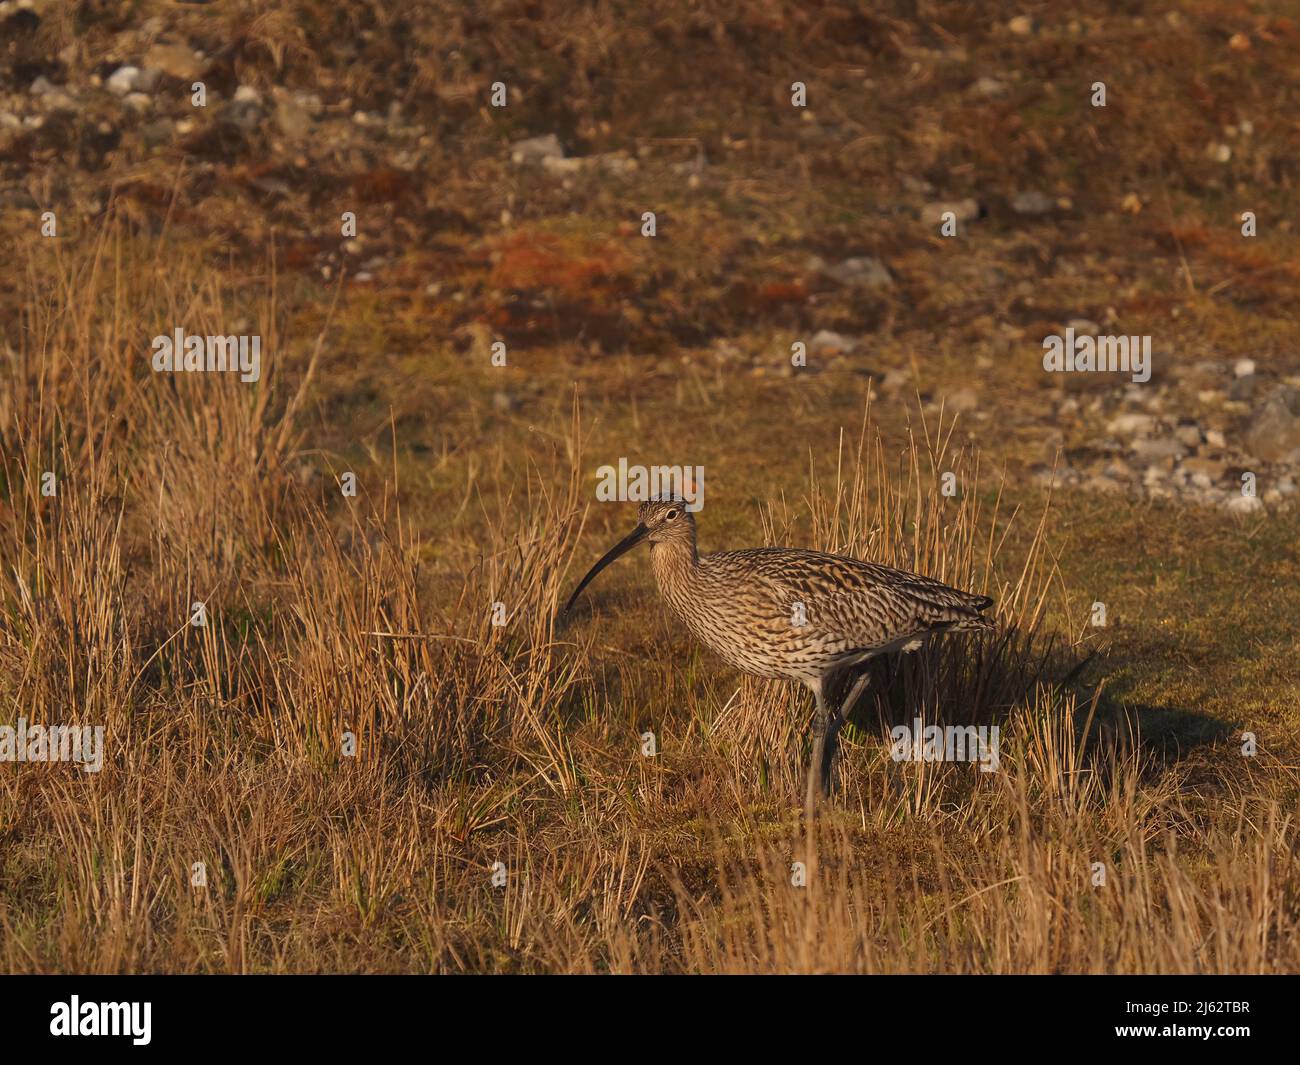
(816, 764)
(855, 693)
(836, 722)
(828, 756)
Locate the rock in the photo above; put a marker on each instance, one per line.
(42, 85)
(123, 80)
(1240, 504)
(1021, 25)
(615, 162)
(826, 342)
(1214, 438)
(1131, 424)
(56, 100)
(1243, 368)
(561, 166)
(291, 116)
(244, 112)
(138, 101)
(1274, 431)
(174, 60)
(536, 149)
(1243, 388)
(966, 210)
(1211, 470)
(860, 272)
(1102, 484)
(987, 86)
(1188, 434)
(1032, 202)
(1158, 450)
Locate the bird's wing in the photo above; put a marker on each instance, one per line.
(862, 605)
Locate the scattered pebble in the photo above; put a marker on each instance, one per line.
(826, 342)
(1274, 431)
(990, 87)
(1157, 450)
(967, 210)
(174, 60)
(1211, 469)
(1131, 424)
(860, 272)
(536, 149)
(123, 80)
(1243, 388)
(1033, 202)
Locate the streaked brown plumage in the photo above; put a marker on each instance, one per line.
(802, 615)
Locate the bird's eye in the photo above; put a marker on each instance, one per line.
(670, 515)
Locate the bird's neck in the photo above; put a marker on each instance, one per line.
(674, 563)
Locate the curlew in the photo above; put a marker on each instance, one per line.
(799, 615)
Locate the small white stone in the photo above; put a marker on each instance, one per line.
(123, 80)
(1243, 368)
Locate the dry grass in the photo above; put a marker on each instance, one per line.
(519, 744)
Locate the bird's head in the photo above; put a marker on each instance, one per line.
(661, 521)
(666, 520)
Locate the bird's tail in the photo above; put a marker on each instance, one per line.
(974, 622)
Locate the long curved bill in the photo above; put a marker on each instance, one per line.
(621, 548)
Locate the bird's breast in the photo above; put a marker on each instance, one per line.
(747, 627)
